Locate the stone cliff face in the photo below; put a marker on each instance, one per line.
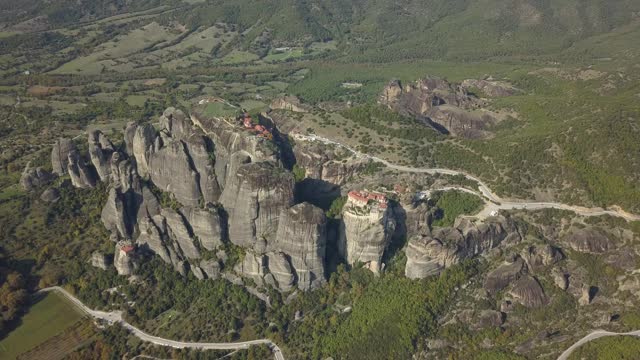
(443, 105)
(171, 170)
(491, 88)
(206, 225)
(254, 199)
(100, 152)
(302, 235)
(60, 155)
(365, 232)
(82, 176)
(233, 146)
(430, 254)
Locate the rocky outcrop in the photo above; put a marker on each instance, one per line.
(144, 141)
(429, 254)
(178, 231)
(504, 275)
(365, 232)
(205, 224)
(528, 292)
(290, 103)
(50, 195)
(462, 123)
(82, 176)
(326, 162)
(560, 278)
(100, 260)
(35, 178)
(280, 268)
(489, 87)
(253, 266)
(124, 258)
(538, 257)
(234, 146)
(254, 200)
(589, 240)
(60, 155)
(302, 235)
(445, 106)
(153, 237)
(211, 268)
(129, 134)
(170, 168)
(100, 152)
(116, 214)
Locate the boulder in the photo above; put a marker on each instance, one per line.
(197, 272)
(528, 292)
(504, 275)
(100, 260)
(589, 240)
(427, 256)
(60, 155)
(254, 200)
(560, 278)
(537, 257)
(50, 195)
(129, 134)
(302, 235)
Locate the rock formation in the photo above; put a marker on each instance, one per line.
(490, 87)
(100, 260)
(178, 231)
(123, 258)
(253, 266)
(302, 235)
(205, 224)
(538, 257)
(504, 275)
(100, 152)
(170, 169)
(445, 106)
(254, 199)
(50, 195)
(60, 155)
(290, 103)
(528, 292)
(429, 254)
(365, 230)
(589, 240)
(142, 147)
(82, 176)
(34, 178)
(280, 267)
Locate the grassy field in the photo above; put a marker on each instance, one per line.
(219, 110)
(47, 318)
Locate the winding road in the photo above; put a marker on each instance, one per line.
(114, 317)
(493, 202)
(596, 334)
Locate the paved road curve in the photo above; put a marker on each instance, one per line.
(493, 201)
(113, 317)
(596, 334)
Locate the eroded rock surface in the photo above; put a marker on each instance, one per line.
(34, 178)
(589, 240)
(205, 224)
(254, 199)
(82, 176)
(302, 235)
(429, 254)
(528, 292)
(60, 155)
(100, 151)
